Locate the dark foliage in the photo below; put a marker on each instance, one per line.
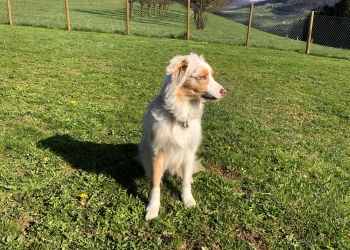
(199, 7)
(302, 5)
(341, 8)
(331, 26)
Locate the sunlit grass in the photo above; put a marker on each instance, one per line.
(276, 148)
(110, 16)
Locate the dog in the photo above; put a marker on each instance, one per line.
(172, 126)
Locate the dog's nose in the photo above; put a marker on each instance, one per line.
(223, 92)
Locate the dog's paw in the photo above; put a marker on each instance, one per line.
(189, 202)
(152, 212)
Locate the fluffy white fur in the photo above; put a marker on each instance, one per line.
(172, 126)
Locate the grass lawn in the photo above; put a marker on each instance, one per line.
(276, 148)
(110, 16)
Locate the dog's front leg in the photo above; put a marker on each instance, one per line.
(154, 196)
(188, 166)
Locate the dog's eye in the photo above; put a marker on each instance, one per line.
(204, 77)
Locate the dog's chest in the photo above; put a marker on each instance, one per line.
(185, 137)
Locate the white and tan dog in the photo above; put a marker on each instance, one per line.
(172, 126)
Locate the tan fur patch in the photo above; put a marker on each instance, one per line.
(181, 67)
(194, 87)
(157, 169)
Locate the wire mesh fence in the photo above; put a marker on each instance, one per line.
(38, 13)
(221, 26)
(289, 31)
(99, 15)
(269, 28)
(96, 15)
(3, 12)
(280, 25)
(331, 31)
(166, 18)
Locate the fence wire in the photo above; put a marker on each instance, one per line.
(3, 12)
(39, 13)
(331, 31)
(166, 18)
(270, 28)
(97, 15)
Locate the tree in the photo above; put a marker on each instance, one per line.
(142, 3)
(302, 5)
(201, 6)
(341, 8)
(131, 8)
(331, 26)
(162, 5)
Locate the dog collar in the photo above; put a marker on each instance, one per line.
(183, 124)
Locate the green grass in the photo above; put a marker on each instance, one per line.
(98, 15)
(109, 16)
(276, 148)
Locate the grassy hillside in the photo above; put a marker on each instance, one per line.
(276, 148)
(297, 5)
(109, 16)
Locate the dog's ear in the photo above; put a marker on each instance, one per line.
(177, 65)
(181, 68)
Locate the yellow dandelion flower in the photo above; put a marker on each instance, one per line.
(228, 147)
(73, 102)
(83, 196)
(45, 159)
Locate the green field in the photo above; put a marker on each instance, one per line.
(110, 16)
(276, 148)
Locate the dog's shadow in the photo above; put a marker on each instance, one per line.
(115, 160)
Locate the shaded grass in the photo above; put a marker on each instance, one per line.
(276, 147)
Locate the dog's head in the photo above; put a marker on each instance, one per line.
(191, 77)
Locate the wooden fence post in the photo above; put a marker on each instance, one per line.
(9, 11)
(249, 24)
(127, 18)
(188, 18)
(309, 33)
(67, 15)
